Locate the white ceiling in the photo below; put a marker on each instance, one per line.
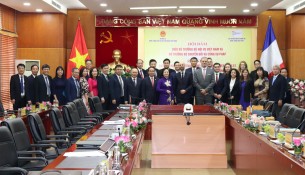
(121, 7)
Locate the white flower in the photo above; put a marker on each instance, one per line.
(290, 83)
(296, 81)
(301, 83)
(167, 83)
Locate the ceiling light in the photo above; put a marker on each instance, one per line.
(202, 7)
(145, 11)
(26, 4)
(149, 8)
(212, 10)
(38, 10)
(246, 11)
(103, 4)
(254, 4)
(109, 11)
(179, 10)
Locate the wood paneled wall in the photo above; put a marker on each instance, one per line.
(8, 16)
(43, 37)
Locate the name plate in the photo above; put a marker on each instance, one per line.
(244, 115)
(41, 106)
(272, 132)
(23, 112)
(288, 140)
(33, 108)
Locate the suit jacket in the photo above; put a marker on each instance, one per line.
(144, 73)
(171, 71)
(277, 89)
(149, 92)
(71, 90)
(207, 83)
(235, 91)
(41, 88)
(220, 86)
(288, 91)
(31, 89)
(103, 87)
(15, 89)
(115, 88)
(133, 92)
(1, 109)
(185, 83)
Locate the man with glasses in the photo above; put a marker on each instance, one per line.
(43, 84)
(73, 90)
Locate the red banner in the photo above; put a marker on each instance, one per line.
(109, 39)
(179, 21)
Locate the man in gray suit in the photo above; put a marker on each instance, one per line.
(204, 81)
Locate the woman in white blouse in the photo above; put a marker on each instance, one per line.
(233, 88)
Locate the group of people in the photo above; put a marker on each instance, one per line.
(198, 85)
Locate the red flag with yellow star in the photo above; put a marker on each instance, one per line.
(79, 52)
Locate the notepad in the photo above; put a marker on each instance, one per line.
(84, 154)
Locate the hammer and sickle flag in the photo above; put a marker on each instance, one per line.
(106, 39)
(79, 51)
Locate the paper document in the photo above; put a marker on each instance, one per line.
(118, 122)
(84, 154)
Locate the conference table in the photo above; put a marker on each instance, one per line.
(99, 132)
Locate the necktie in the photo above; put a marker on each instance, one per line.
(273, 79)
(193, 70)
(181, 75)
(21, 86)
(77, 87)
(122, 86)
(141, 74)
(106, 77)
(48, 86)
(216, 77)
(203, 72)
(134, 82)
(152, 81)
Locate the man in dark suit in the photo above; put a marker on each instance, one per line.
(31, 86)
(166, 64)
(103, 87)
(72, 89)
(43, 84)
(220, 81)
(287, 99)
(153, 63)
(183, 85)
(133, 87)
(88, 64)
(257, 64)
(277, 89)
(1, 109)
(192, 70)
(149, 85)
(117, 86)
(141, 72)
(18, 87)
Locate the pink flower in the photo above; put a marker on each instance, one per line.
(247, 122)
(134, 123)
(140, 108)
(44, 103)
(253, 116)
(297, 141)
(124, 139)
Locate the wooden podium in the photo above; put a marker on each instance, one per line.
(199, 145)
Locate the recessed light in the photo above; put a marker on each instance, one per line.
(145, 11)
(109, 11)
(212, 10)
(103, 4)
(38, 10)
(179, 10)
(26, 4)
(254, 4)
(203, 7)
(149, 8)
(246, 11)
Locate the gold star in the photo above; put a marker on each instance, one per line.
(127, 36)
(79, 59)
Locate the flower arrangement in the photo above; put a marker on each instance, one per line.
(233, 110)
(123, 142)
(297, 88)
(253, 122)
(142, 108)
(223, 106)
(28, 109)
(298, 146)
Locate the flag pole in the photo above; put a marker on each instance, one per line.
(79, 18)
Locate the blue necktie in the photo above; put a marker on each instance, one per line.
(273, 79)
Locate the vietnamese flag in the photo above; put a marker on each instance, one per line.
(79, 52)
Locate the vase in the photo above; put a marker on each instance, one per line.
(297, 152)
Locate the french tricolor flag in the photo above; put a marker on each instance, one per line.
(271, 54)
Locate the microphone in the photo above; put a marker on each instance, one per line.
(298, 127)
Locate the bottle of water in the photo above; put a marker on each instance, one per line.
(19, 112)
(117, 158)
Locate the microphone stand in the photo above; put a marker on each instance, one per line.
(298, 127)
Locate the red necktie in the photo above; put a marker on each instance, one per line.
(152, 82)
(141, 73)
(203, 72)
(216, 77)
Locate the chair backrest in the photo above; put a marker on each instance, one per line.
(268, 106)
(73, 113)
(19, 133)
(283, 113)
(37, 128)
(91, 104)
(81, 107)
(290, 113)
(66, 114)
(97, 104)
(57, 120)
(7, 149)
(262, 102)
(255, 101)
(296, 118)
